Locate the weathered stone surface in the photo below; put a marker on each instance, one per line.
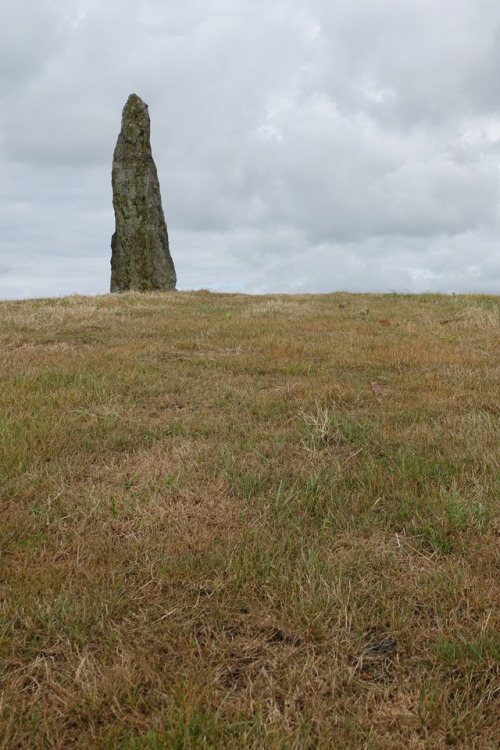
(140, 255)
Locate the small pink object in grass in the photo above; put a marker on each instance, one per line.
(377, 388)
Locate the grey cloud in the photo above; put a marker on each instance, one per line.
(425, 62)
(300, 147)
(29, 37)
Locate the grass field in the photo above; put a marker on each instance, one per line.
(250, 522)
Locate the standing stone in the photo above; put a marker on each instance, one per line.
(140, 255)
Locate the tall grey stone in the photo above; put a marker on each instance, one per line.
(140, 255)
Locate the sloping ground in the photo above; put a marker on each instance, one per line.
(250, 522)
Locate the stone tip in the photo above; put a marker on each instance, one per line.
(135, 113)
(135, 100)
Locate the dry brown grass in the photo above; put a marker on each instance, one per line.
(217, 534)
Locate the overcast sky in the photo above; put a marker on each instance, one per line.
(301, 145)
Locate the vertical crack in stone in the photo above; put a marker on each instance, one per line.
(140, 254)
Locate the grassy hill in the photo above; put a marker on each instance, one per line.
(250, 522)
